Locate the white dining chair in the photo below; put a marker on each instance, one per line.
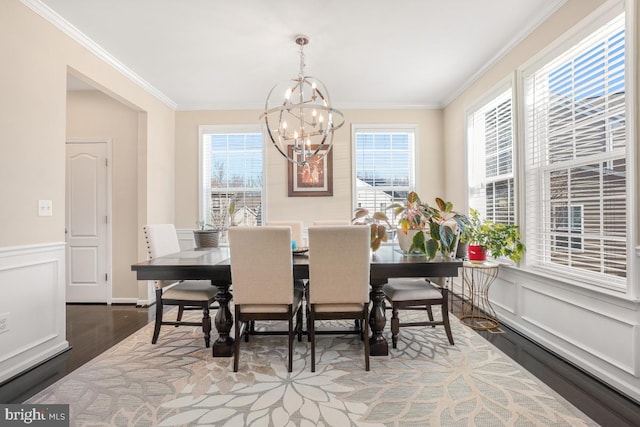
(262, 279)
(332, 222)
(339, 271)
(162, 240)
(297, 228)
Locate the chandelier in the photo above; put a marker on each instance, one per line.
(299, 118)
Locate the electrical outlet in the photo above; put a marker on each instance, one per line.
(45, 208)
(4, 322)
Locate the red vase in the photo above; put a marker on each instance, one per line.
(476, 253)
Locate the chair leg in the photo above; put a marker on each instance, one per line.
(159, 308)
(180, 313)
(312, 338)
(299, 323)
(395, 326)
(236, 343)
(430, 314)
(291, 336)
(366, 337)
(445, 317)
(206, 325)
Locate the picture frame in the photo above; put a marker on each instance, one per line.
(312, 180)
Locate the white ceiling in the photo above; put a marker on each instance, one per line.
(207, 54)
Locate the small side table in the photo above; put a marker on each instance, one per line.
(477, 312)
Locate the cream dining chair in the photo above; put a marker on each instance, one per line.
(262, 279)
(332, 222)
(162, 240)
(297, 228)
(339, 271)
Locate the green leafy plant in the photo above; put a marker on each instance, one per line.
(444, 228)
(499, 240)
(441, 224)
(378, 222)
(411, 213)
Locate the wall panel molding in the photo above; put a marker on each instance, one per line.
(32, 282)
(598, 332)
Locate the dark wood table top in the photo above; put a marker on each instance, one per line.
(214, 264)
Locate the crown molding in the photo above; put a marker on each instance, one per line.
(536, 21)
(63, 25)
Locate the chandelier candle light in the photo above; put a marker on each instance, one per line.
(303, 117)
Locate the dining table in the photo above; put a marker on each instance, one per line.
(214, 264)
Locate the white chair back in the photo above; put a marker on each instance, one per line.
(332, 222)
(339, 264)
(296, 230)
(261, 265)
(162, 239)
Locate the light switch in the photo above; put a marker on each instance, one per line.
(45, 208)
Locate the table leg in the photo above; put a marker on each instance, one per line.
(223, 346)
(377, 320)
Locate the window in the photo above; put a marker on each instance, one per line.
(490, 149)
(384, 166)
(231, 173)
(576, 167)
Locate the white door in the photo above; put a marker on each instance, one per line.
(87, 253)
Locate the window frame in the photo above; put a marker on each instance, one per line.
(506, 84)
(574, 36)
(221, 130)
(384, 128)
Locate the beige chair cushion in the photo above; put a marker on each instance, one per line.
(272, 308)
(410, 289)
(191, 290)
(339, 265)
(261, 265)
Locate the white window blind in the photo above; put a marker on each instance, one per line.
(575, 160)
(490, 158)
(384, 166)
(231, 172)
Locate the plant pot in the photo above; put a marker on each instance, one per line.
(406, 240)
(206, 238)
(476, 253)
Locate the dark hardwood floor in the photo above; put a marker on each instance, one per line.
(92, 329)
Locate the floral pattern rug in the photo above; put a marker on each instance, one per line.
(424, 382)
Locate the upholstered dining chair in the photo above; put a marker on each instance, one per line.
(297, 228)
(162, 239)
(339, 270)
(262, 278)
(417, 294)
(332, 222)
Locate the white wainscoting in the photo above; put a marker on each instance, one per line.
(32, 285)
(599, 333)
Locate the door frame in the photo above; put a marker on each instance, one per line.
(109, 207)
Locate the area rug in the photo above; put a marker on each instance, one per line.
(424, 382)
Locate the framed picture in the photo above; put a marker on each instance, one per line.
(313, 179)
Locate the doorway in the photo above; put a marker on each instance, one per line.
(88, 221)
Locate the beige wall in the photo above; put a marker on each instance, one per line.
(278, 205)
(35, 60)
(454, 114)
(92, 114)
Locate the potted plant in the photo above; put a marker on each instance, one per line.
(445, 228)
(487, 237)
(412, 220)
(208, 234)
(377, 221)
